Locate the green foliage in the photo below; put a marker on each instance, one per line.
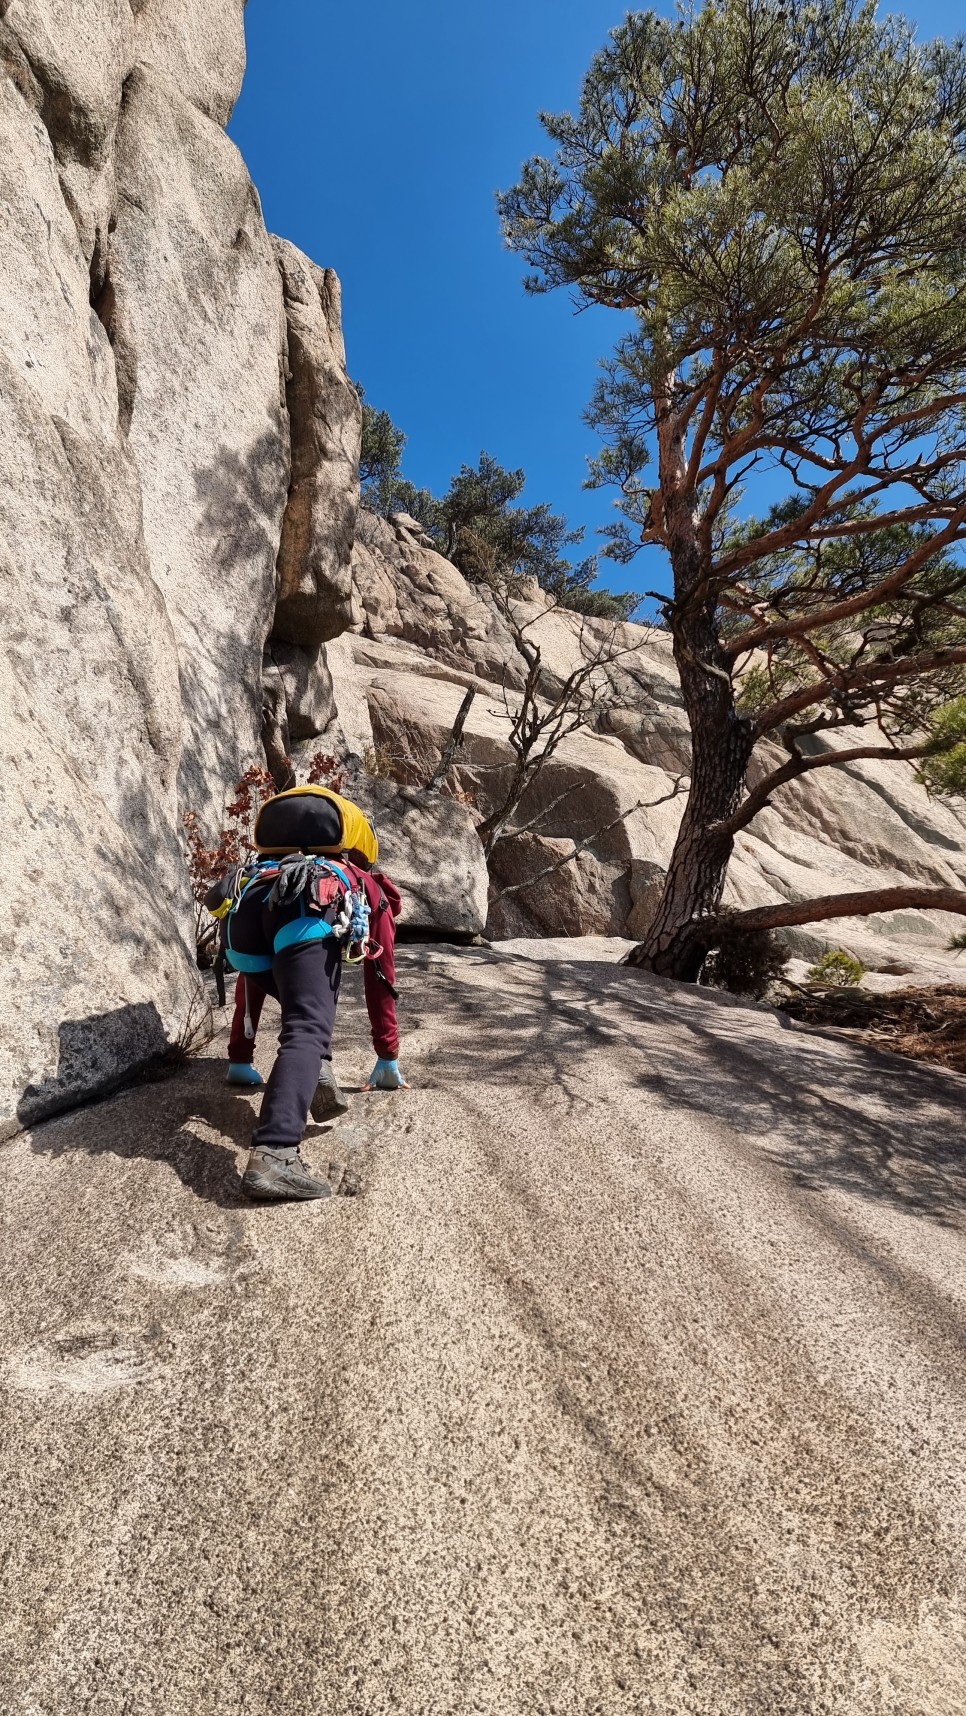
(420, 504)
(776, 191)
(773, 193)
(745, 962)
(956, 943)
(489, 535)
(723, 160)
(380, 464)
(599, 604)
(943, 769)
(479, 525)
(837, 969)
(525, 541)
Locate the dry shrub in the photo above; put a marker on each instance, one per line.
(207, 863)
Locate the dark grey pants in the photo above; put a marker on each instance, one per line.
(305, 982)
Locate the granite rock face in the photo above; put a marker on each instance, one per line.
(148, 445)
(615, 789)
(326, 428)
(195, 285)
(643, 1346)
(431, 849)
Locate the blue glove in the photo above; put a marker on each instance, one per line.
(385, 1075)
(240, 1072)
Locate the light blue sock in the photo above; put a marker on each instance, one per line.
(241, 1072)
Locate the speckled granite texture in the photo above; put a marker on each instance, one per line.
(633, 1382)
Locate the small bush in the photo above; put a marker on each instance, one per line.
(207, 863)
(956, 943)
(837, 970)
(745, 962)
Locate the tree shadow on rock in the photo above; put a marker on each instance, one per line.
(830, 1114)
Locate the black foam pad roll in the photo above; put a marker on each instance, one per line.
(302, 823)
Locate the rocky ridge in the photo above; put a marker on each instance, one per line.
(421, 635)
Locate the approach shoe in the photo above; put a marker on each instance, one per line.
(281, 1176)
(330, 1099)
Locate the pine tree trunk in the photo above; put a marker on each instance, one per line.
(721, 748)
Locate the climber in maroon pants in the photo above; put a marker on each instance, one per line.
(385, 904)
(291, 917)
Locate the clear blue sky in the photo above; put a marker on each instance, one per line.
(377, 135)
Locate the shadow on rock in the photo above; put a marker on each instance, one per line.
(831, 1114)
(95, 1055)
(184, 1118)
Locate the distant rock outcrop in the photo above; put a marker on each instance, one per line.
(421, 635)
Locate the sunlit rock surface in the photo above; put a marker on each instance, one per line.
(632, 1382)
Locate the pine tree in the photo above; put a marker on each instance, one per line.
(775, 193)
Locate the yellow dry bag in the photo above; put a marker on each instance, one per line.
(314, 819)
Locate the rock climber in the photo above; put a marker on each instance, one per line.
(311, 901)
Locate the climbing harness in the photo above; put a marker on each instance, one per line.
(330, 908)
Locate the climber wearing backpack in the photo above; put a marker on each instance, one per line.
(310, 902)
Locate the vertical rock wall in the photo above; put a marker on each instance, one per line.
(148, 445)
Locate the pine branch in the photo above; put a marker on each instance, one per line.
(857, 905)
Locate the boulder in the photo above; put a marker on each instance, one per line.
(428, 844)
(306, 688)
(547, 886)
(96, 902)
(68, 60)
(96, 927)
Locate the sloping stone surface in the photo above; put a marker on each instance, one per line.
(633, 1382)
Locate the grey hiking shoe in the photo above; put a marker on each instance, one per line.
(281, 1175)
(329, 1099)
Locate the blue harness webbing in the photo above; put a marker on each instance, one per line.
(301, 929)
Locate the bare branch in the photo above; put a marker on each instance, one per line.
(857, 684)
(541, 816)
(798, 765)
(453, 744)
(870, 597)
(568, 857)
